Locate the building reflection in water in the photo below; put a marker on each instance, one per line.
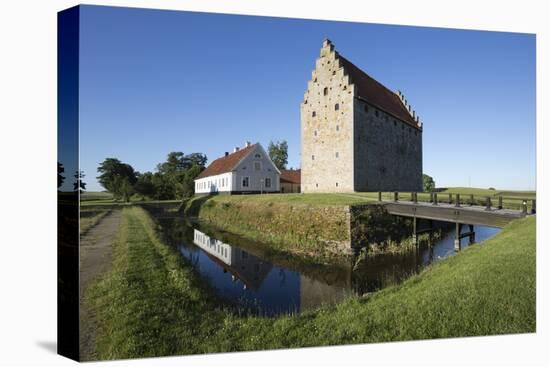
(267, 287)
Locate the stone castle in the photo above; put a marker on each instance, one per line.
(357, 135)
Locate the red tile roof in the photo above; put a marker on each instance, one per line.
(374, 92)
(291, 175)
(226, 163)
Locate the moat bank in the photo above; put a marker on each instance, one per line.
(326, 228)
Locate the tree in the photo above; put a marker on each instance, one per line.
(126, 189)
(60, 177)
(278, 152)
(428, 183)
(113, 171)
(79, 185)
(144, 185)
(174, 179)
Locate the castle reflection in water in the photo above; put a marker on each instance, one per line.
(249, 280)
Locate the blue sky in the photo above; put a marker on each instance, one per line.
(155, 81)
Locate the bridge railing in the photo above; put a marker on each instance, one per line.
(525, 204)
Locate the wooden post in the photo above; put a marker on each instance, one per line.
(534, 206)
(415, 197)
(412, 196)
(488, 203)
(524, 207)
(379, 195)
(471, 199)
(457, 204)
(500, 202)
(457, 236)
(450, 198)
(435, 198)
(395, 196)
(431, 197)
(472, 234)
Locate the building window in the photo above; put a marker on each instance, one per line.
(415, 133)
(325, 91)
(366, 108)
(336, 107)
(312, 157)
(313, 114)
(376, 113)
(315, 133)
(394, 123)
(337, 154)
(316, 185)
(257, 166)
(334, 72)
(305, 102)
(268, 182)
(336, 184)
(257, 155)
(337, 128)
(345, 87)
(245, 181)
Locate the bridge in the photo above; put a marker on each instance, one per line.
(455, 211)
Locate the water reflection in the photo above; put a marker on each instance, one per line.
(246, 274)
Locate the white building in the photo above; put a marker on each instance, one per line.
(246, 170)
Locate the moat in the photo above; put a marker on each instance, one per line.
(250, 277)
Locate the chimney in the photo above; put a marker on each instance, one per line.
(247, 143)
(226, 154)
(236, 149)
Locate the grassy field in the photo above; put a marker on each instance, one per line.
(152, 303)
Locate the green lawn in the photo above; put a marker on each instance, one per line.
(152, 303)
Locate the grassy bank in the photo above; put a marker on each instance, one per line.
(152, 303)
(286, 222)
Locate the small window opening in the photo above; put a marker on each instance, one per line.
(313, 114)
(336, 107)
(325, 91)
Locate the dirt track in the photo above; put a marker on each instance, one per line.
(96, 248)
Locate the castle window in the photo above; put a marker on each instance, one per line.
(334, 72)
(325, 91)
(345, 87)
(313, 114)
(337, 154)
(336, 184)
(305, 102)
(316, 185)
(336, 107)
(312, 157)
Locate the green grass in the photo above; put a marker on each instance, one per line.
(152, 303)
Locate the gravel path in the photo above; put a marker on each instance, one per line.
(96, 248)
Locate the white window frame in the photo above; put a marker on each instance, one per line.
(267, 179)
(259, 164)
(247, 182)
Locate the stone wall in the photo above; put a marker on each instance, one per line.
(388, 152)
(327, 128)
